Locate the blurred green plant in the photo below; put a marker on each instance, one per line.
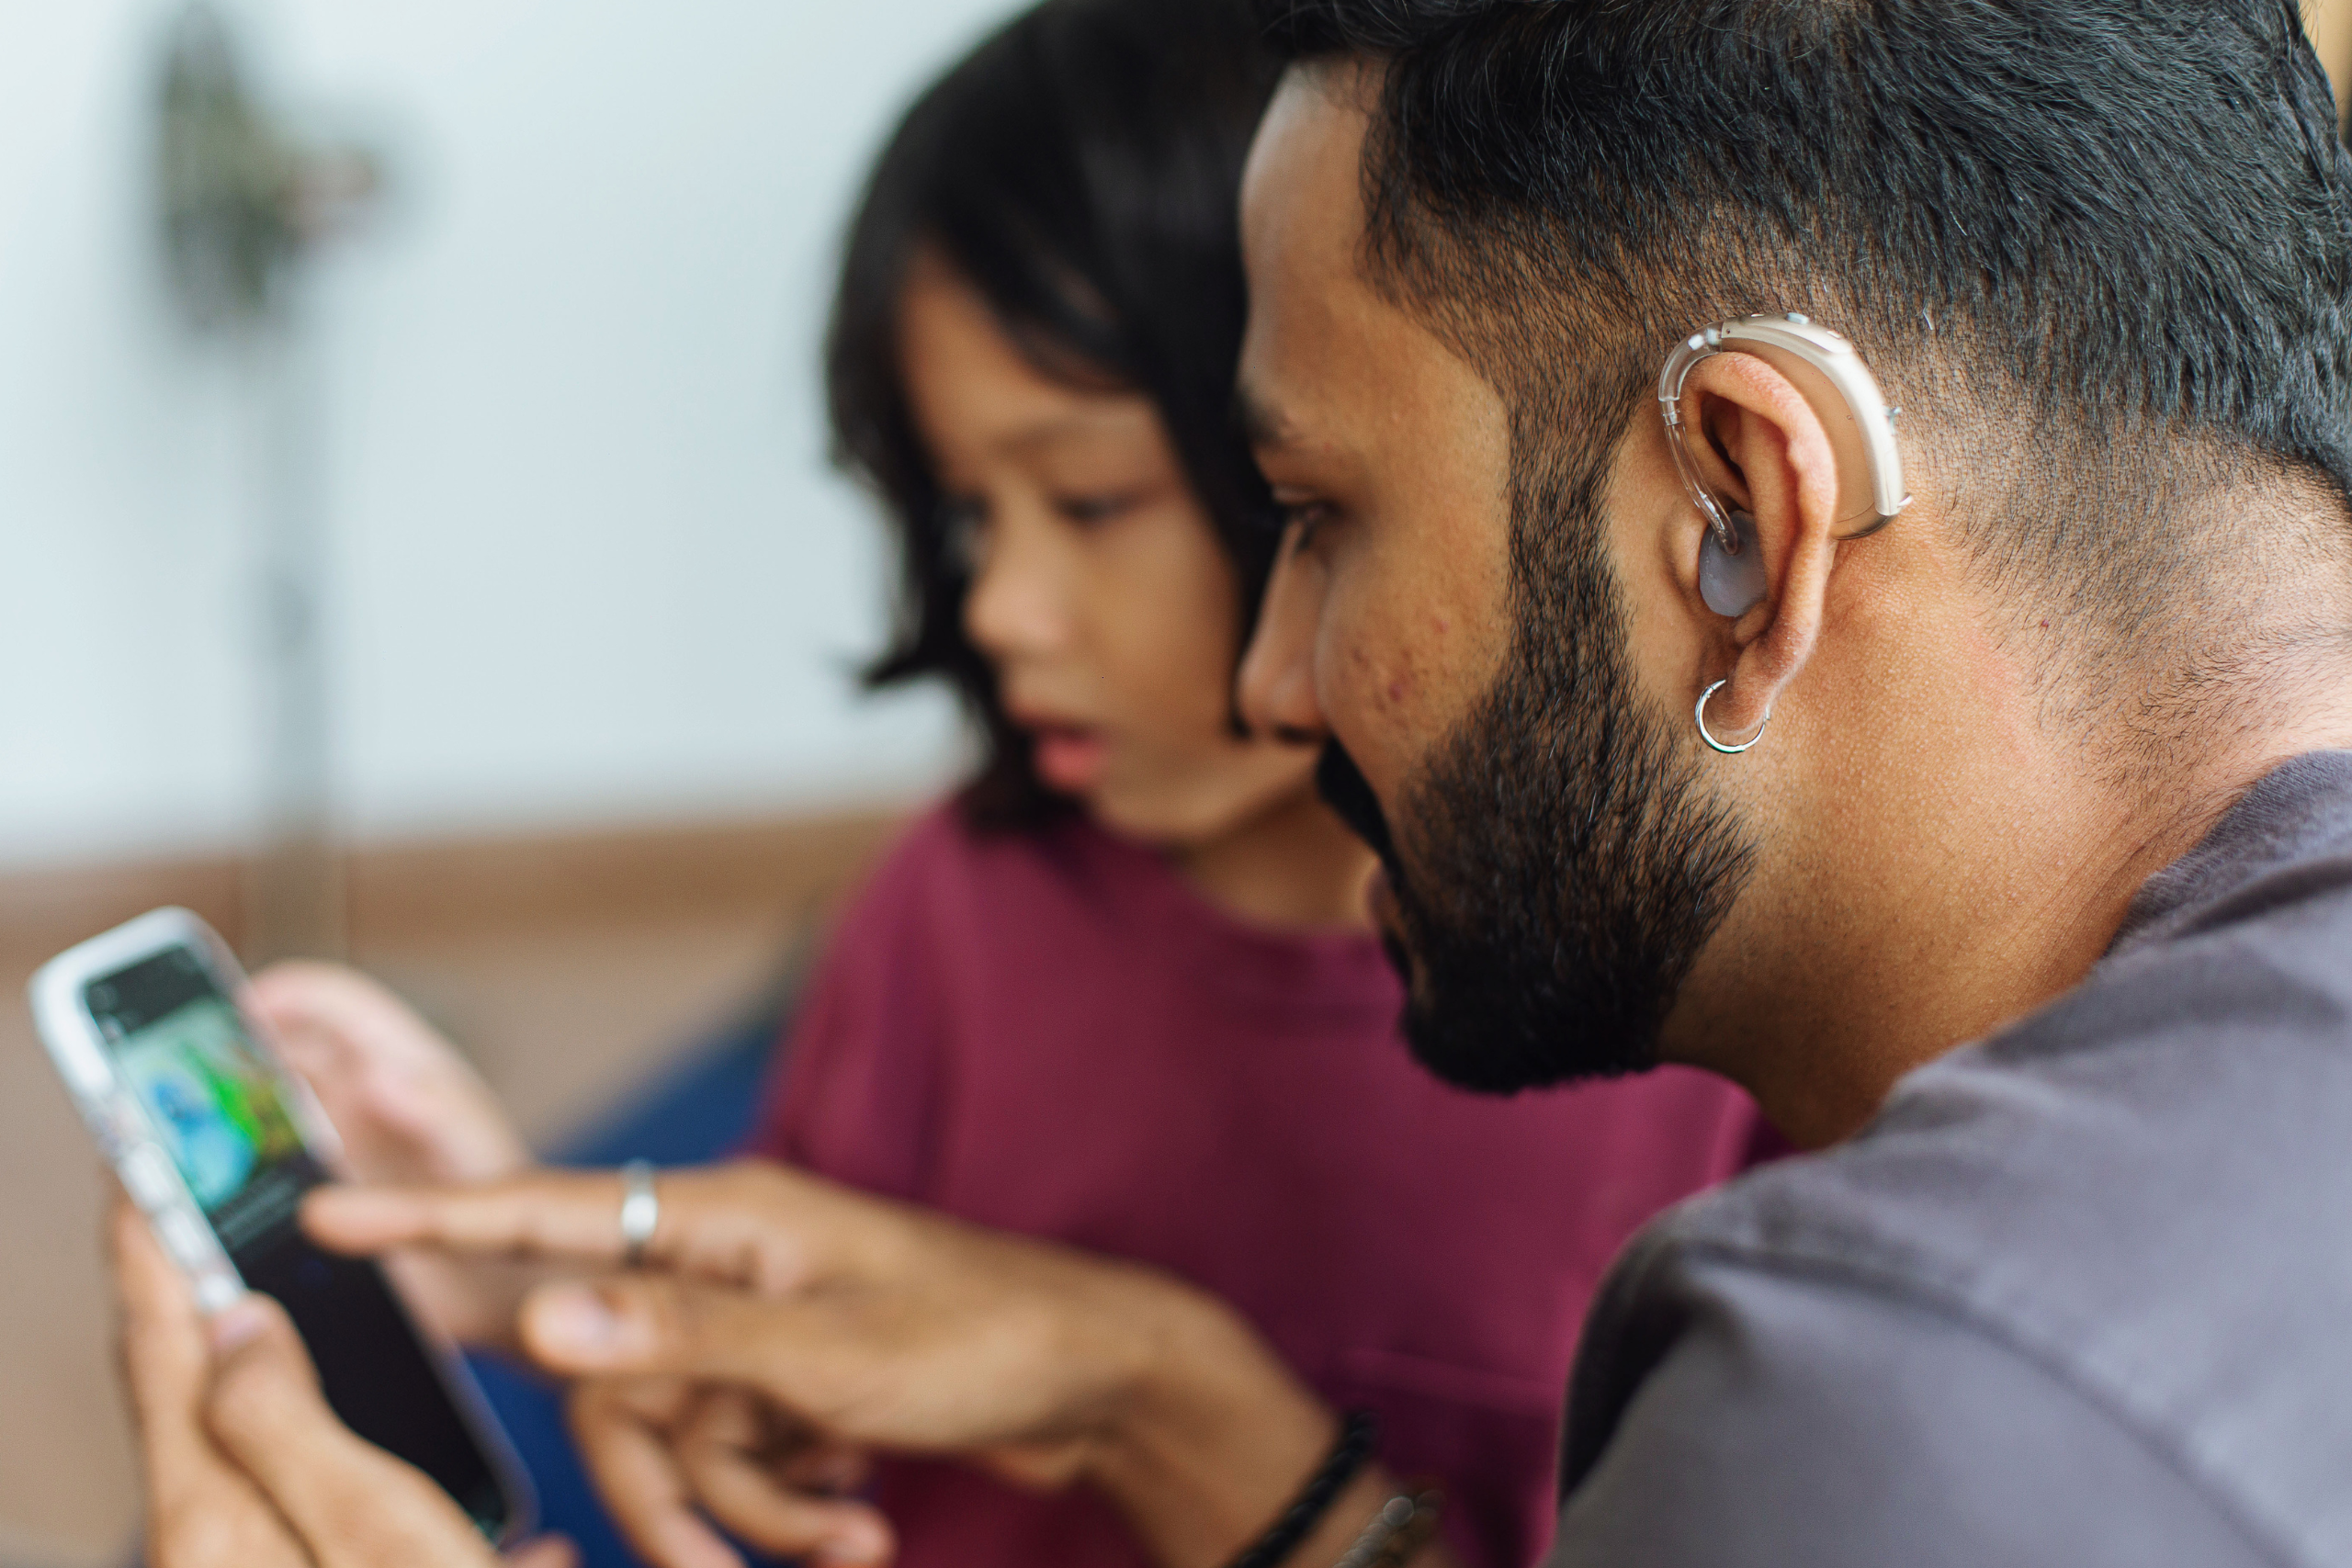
(242, 196)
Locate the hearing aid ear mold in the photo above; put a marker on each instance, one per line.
(1831, 376)
(1732, 584)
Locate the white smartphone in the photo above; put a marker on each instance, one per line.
(217, 1141)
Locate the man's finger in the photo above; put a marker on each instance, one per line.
(827, 1467)
(547, 1551)
(747, 1223)
(354, 1505)
(556, 1217)
(751, 1505)
(641, 1483)
(201, 1510)
(652, 1324)
(163, 1358)
(166, 1362)
(727, 1452)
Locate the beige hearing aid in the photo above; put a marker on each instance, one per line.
(1831, 376)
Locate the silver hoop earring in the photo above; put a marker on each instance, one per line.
(1699, 713)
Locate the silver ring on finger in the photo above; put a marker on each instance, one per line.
(641, 1212)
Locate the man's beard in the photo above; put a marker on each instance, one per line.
(1563, 863)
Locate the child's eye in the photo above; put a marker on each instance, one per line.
(1088, 510)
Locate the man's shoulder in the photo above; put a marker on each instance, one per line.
(1787, 1417)
(2181, 1110)
(2138, 1193)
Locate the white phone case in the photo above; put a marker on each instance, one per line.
(126, 1132)
(124, 1128)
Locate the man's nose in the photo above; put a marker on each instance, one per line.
(1277, 678)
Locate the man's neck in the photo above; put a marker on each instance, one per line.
(1996, 898)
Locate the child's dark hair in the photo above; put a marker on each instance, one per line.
(1080, 169)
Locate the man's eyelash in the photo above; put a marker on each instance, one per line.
(1308, 517)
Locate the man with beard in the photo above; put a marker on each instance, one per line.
(2032, 893)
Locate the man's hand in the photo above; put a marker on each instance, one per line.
(245, 1466)
(783, 1320)
(409, 1110)
(665, 1451)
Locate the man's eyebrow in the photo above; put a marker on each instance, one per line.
(1262, 424)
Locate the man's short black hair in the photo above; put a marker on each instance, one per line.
(2121, 225)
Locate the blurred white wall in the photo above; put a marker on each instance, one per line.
(588, 562)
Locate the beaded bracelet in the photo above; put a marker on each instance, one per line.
(1397, 1532)
(1359, 1435)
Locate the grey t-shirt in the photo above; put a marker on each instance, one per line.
(2080, 1294)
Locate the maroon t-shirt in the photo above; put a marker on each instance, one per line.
(1053, 1033)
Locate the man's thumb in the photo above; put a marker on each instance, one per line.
(349, 1503)
(263, 1391)
(646, 1324)
(615, 1326)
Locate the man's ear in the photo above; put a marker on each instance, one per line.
(1761, 446)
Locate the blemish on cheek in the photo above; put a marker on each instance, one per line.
(1397, 689)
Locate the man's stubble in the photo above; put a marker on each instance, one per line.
(1564, 863)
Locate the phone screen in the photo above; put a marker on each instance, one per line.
(179, 1044)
